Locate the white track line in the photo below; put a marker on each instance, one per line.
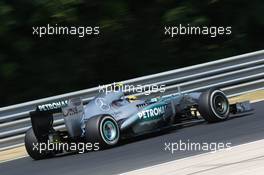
(243, 159)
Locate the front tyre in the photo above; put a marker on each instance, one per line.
(33, 151)
(102, 129)
(213, 105)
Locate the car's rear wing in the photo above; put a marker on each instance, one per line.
(42, 118)
(53, 107)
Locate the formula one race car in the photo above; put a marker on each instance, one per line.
(110, 117)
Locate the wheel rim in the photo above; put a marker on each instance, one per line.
(220, 104)
(110, 132)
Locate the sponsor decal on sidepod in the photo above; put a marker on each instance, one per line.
(152, 113)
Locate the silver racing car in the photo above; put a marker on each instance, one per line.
(110, 117)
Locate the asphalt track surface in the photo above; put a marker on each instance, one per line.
(146, 151)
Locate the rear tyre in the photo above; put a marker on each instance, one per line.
(213, 105)
(102, 129)
(30, 141)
